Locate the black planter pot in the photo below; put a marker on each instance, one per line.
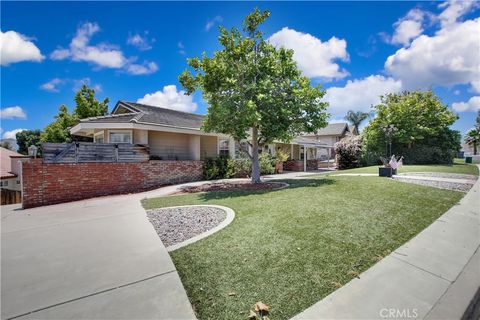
(386, 172)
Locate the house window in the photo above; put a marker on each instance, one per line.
(99, 137)
(223, 147)
(120, 136)
(302, 153)
(4, 183)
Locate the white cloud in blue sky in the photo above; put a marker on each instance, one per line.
(473, 104)
(16, 47)
(102, 55)
(15, 112)
(142, 42)
(315, 58)
(210, 23)
(170, 98)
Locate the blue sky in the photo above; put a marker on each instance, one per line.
(135, 51)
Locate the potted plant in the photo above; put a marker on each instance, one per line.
(280, 157)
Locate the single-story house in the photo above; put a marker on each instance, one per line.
(176, 135)
(10, 170)
(329, 135)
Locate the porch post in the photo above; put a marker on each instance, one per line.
(304, 158)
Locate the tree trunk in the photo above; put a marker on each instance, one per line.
(255, 162)
(475, 147)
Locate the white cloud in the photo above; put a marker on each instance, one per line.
(139, 69)
(408, 27)
(473, 104)
(170, 98)
(360, 94)
(314, 57)
(181, 46)
(15, 112)
(102, 54)
(211, 23)
(15, 47)
(77, 84)
(454, 10)
(449, 57)
(52, 85)
(12, 134)
(141, 42)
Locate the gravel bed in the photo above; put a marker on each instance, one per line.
(441, 175)
(174, 225)
(463, 187)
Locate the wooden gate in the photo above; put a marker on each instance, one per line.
(10, 196)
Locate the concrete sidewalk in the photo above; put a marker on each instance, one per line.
(434, 275)
(98, 258)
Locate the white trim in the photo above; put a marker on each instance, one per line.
(230, 216)
(97, 134)
(85, 126)
(120, 131)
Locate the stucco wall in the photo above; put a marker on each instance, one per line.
(170, 146)
(208, 147)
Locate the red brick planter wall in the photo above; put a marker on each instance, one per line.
(50, 183)
(297, 165)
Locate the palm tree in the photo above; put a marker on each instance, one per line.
(356, 118)
(473, 138)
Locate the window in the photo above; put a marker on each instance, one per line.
(4, 183)
(99, 137)
(119, 136)
(223, 148)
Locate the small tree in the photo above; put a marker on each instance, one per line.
(86, 106)
(26, 138)
(473, 138)
(255, 91)
(356, 118)
(348, 152)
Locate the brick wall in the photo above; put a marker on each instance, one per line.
(50, 183)
(298, 165)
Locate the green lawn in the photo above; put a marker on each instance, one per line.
(459, 166)
(289, 247)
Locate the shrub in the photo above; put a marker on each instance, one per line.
(242, 167)
(218, 168)
(348, 152)
(267, 163)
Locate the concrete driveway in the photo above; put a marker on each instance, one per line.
(98, 258)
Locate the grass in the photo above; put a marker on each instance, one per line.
(459, 166)
(290, 248)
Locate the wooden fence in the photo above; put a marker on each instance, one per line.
(10, 196)
(78, 152)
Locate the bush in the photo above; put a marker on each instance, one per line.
(218, 168)
(242, 168)
(267, 163)
(348, 152)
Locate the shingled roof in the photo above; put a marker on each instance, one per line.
(332, 129)
(142, 113)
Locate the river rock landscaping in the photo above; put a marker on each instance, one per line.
(177, 224)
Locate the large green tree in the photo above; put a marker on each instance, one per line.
(26, 138)
(356, 118)
(86, 105)
(255, 91)
(417, 124)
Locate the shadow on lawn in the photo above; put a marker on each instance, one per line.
(293, 184)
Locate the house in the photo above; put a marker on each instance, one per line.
(10, 172)
(176, 135)
(329, 135)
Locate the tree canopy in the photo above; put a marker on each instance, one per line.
(26, 138)
(417, 122)
(86, 106)
(255, 91)
(356, 118)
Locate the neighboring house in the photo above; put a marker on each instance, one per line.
(10, 169)
(176, 135)
(329, 135)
